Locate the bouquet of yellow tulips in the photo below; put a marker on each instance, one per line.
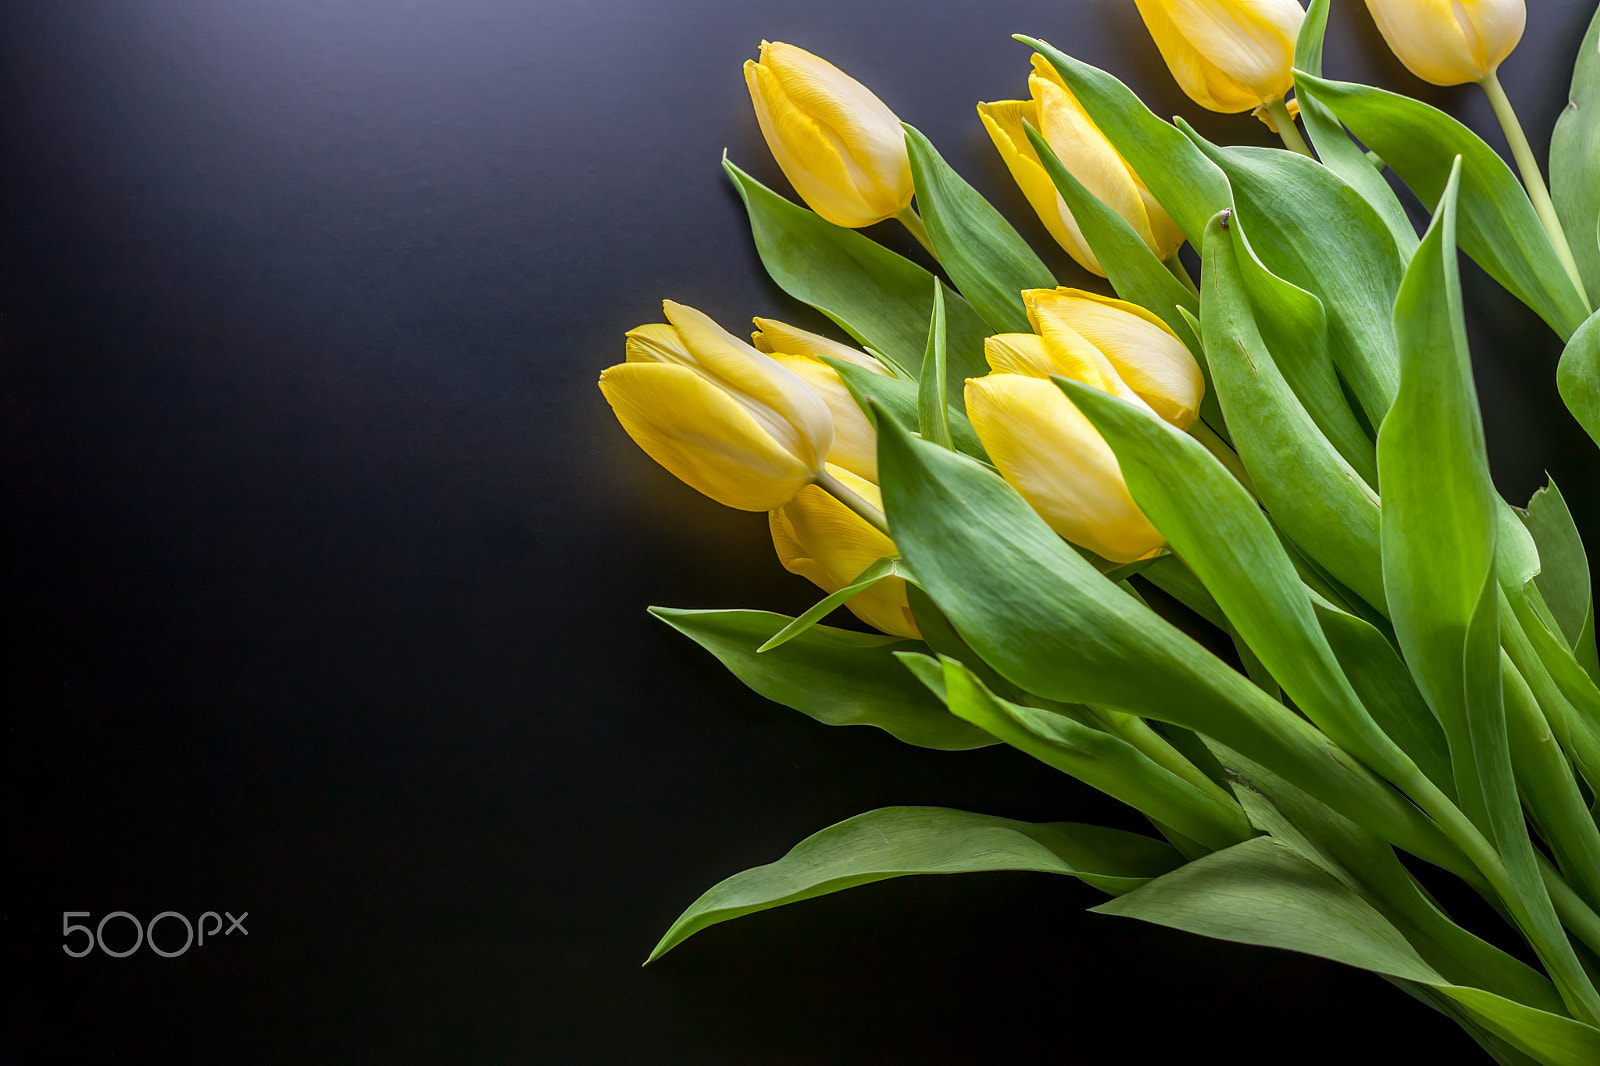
(993, 470)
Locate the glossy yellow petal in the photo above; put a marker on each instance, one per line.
(1050, 453)
(1071, 354)
(773, 336)
(1450, 42)
(702, 435)
(855, 442)
(825, 542)
(657, 342)
(1018, 353)
(788, 409)
(839, 145)
(1003, 119)
(1228, 55)
(1145, 353)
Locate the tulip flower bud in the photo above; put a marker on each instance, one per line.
(840, 147)
(826, 543)
(1116, 346)
(1086, 153)
(855, 441)
(1050, 453)
(1228, 55)
(1450, 42)
(730, 421)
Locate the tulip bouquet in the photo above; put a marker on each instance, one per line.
(996, 471)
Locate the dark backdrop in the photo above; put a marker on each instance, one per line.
(326, 565)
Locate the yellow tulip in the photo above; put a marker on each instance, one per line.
(826, 543)
(855, 442)
(1116, 346)
(1086, 153)
(841, 148)
(1228, 55)
(1450, 42)
(1050, 453)
(730, 421)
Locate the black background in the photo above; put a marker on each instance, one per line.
(326, 564)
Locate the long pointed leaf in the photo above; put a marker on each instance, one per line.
(1578, 376)
(933, 414)
(1575, 161)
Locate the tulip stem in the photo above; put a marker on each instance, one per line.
(913, 222)
(1532, 178)
(1181, 272)
(1288, 132)
(847, 496)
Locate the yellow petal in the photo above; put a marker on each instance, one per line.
(1196, 72)
(1450, 43)
(785, 406)
(840, 147)
(1050, 453)
(657, 342)
(1018, 353)
(1145, 353)
(774, 336)
(702, 435)
(1003, 119)
(823, 541)
(1071, 354)
(855, 442)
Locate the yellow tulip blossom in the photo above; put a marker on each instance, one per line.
(1116, 346)
(730, 421)
(826, 543)
(1086, 153)
(1228, 55)
(1052, 455)
(840, 147)
(855, 442)
(1450, 42)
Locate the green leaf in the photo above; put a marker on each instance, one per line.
(837, 676)
(881, 299)
(869, 577)
(900, 398)
(1338, 152)
(1046, 620)
(1313, 230)
(984, 256)
(1498, 226)
(1180, 177)
(1262, 892)
(1313, 494)
(1575, 161)
(1564, 576)
(1578, 376)
(933, 414)
(898, 841)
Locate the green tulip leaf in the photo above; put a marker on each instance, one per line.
(1578, 376)
(883, 568)
(1575, 162)
(1180, 177)
(1313, 494)
(986, 259)
(900, 841)
(933, 413)
(1564, 579)
(1498, 226)
(1044, 618)
(1338, 152)
(902, 398)
(1263, 892)
(1311, 229)
(881, 299)
(837, 676)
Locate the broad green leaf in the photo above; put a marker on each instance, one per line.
(900, 397)
(1180, 177)
(1575, 162)
(1311, 229)
(1313, 494)
(1262, 892)
(1338, 152)
(1216, 527)
(1564, 573)
(837, 676)
(874, 573)
(1499, 228)
(933, 413)
(898, 841)
(1578, 376)
(984, 256)
(1045, 619)
(1100, 760)
(881, 299)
